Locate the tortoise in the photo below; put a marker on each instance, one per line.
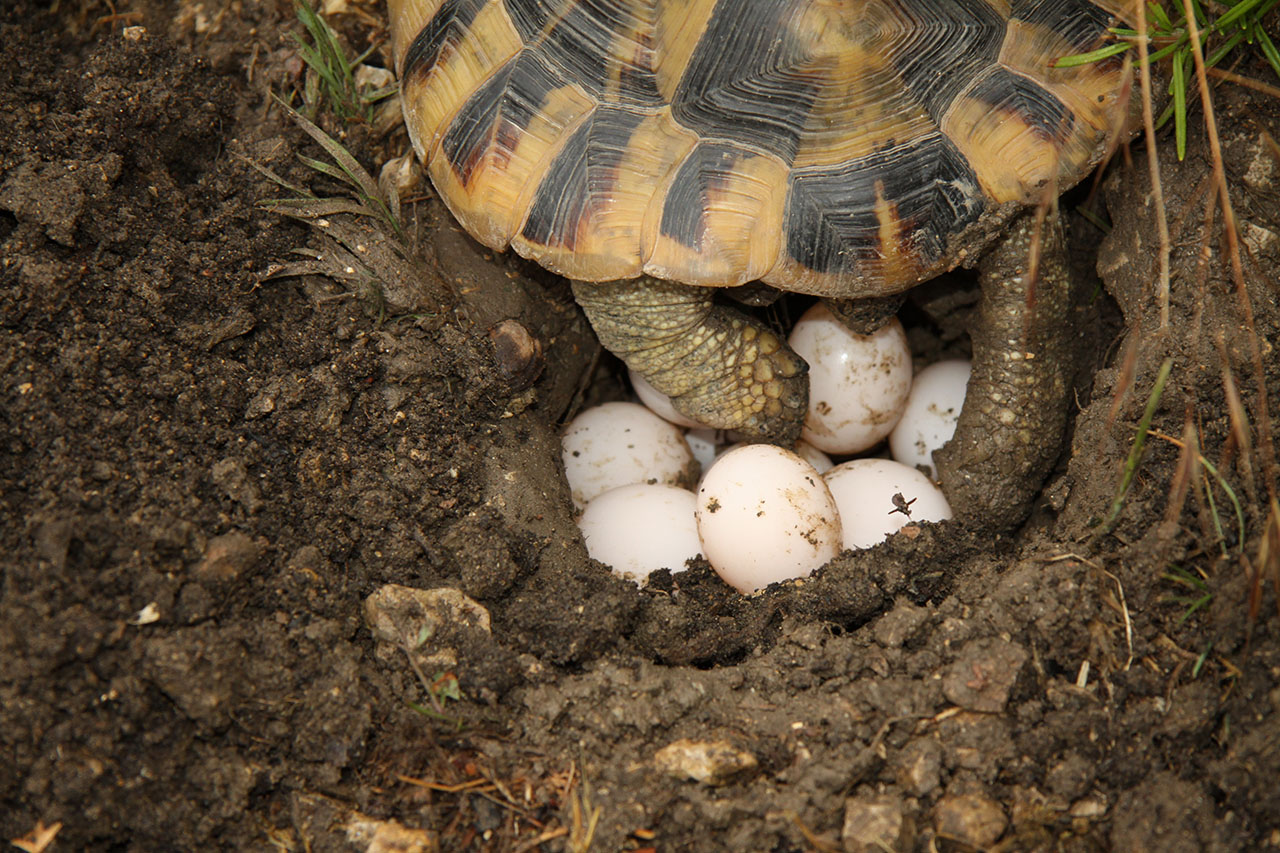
(654, 151)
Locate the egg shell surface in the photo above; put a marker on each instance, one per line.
(864, 491)
(617, 444)
(765, 515)
(638, 529)
(820, 461)
(706, 444)
(858, 384)
(929, 419)
(659, 403)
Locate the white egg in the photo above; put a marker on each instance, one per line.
(765, 515)
(659, 403)
(865, 489)
(618, 444)
(705, 443)
(820, 461)
(641, 528)
(858, 384)
(929, 420)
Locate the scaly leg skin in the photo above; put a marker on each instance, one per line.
(1010, 429)
(717, 365)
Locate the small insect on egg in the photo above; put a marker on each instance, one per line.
(617, 444)
(929, 420)
(877, 497)
(765, 515)
(858, 384)
(641, 528)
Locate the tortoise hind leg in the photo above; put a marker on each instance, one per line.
(1010, 429)
(719, 366)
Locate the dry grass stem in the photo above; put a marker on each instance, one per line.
(1153, 160)
(1266, 446)
(1183, 475)
(1239, 421)
(1123, 608)
(1241, 80)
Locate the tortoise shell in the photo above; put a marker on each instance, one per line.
(835, 147)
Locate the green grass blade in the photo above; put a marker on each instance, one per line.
(358, 176)
(328, 169)
(1223, 49)
(1092, 56)
(1195, 604)
(1231, 495)
(1156, 13)
(1139, 443)
(1237, 12)
(1165, 51)
(1268, 49)
(1179, 85)
(347, 168)
(1199, 664)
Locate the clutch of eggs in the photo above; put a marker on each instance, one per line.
(763, 514)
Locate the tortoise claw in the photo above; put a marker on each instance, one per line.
(717, 365)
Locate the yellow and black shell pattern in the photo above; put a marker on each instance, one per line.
(834, 147)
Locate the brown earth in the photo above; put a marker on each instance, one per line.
(206, 471)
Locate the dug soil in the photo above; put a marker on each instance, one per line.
(236, 443)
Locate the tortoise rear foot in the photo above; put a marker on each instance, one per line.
(717, 365)
(1010, 429)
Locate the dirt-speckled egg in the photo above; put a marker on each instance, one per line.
(617, 444)
(929, 419)
(877, 497)
(858, 384)
(641, 528)
(765, 515)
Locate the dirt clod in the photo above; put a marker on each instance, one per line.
(971, 819)
(876, 824)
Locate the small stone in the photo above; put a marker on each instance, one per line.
(388, 836)
(876, 825)
(920, 767)
(709, 762)
(306, 559)
(228, 557)
(517, 353)
(971, 819)
(1090, 808)
(402, 617)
